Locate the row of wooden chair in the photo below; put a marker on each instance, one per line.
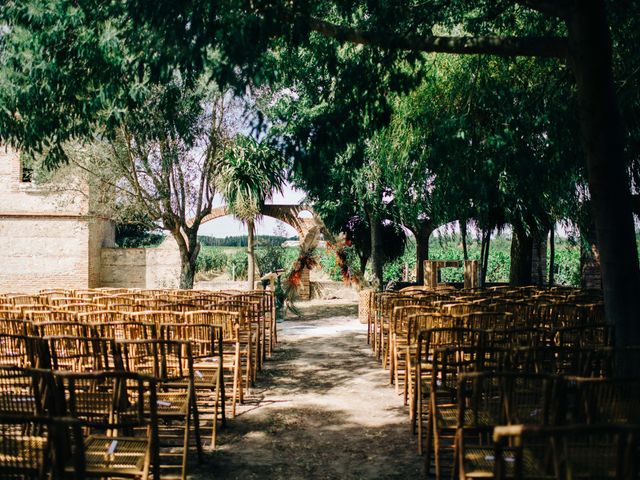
(485, 373)
(78, 425)
(254, 329)
(228, 341)
(93, 305)
(171, 363)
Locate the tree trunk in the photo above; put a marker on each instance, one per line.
(376, 249)
(521, 258)
(483, 241)
(484, 256)
(189, 250)
(251, 261)
(590, 268)
(363, 263)
(552, 255)
(602, 138)
(422, 235)
(463, 235)
(187, 272)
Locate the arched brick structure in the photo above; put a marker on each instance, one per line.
(289, 214)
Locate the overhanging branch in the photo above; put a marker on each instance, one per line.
(493, 45)
(552, 8)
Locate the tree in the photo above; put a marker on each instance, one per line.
(248, 174)
(188, 35)
(162, 163)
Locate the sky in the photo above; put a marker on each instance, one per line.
(229, 226)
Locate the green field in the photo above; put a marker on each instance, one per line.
(233, 260)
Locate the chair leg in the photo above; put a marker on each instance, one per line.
(185, 450)
(428, 448)
(214, 427)
(196, 425)
(417, 418)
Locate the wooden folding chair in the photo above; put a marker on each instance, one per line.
(428, 341)
(170, 362)
(499, 398)
(82, 354)
(26, 391)
(118, 411)
(36, 447)
(566, 452)
(207, 351)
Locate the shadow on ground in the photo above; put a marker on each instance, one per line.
(322, 408)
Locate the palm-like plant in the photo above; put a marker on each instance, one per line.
(249, 173)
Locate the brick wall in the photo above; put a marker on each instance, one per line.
(163, 265)
(40, 252)
(141, 267)
(47, 238)
(22, 197)
(101, 234)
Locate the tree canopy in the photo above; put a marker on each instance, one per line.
(71, 68)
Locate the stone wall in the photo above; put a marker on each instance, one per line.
(44, 232)
(43, 252)
(16, 196)
(101, 234)
(141, 267)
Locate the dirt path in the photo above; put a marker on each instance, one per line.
(322, 408)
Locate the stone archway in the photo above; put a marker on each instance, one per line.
(309, 228)
(289, 214)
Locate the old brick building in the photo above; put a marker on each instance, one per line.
(49, 238)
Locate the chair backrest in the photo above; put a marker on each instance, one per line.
(453, 337)
(26, 391)
(125, 330)
(37, 315)
(82, 354)
(22, 351)
(554, 360)
(230, 322)
(584, 336)
(107, 400)
(519, 337)
(206, 339)
(36, 447)
(55, 328)
(566, 452)
(16, 326)
(100, 316)
(606, 400)
(158, 317)
(166, 360)
(486, 320)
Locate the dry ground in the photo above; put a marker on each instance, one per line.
(322, 408)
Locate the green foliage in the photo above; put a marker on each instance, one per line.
(567, 261)
(211, 260)
(237, 265)
(328, 263)
(567, 265)
(136, 235)
(271, 258)
(241, 240)
(248, 175)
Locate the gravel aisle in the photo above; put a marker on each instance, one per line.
(322, 408)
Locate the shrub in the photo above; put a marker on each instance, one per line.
(271, 258)
(329, 263)
(211, 260)
(237, 266)
(567, 266)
